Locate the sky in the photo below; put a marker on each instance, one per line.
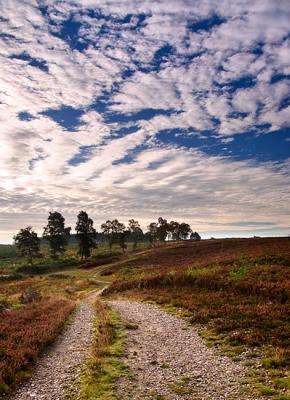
(145, 108)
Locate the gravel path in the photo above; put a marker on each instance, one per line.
(61, 363)
(170, 361)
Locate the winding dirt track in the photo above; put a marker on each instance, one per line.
(167, 358)
(170, 361)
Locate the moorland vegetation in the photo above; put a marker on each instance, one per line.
(234, 291)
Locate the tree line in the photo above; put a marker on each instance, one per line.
(113, 232)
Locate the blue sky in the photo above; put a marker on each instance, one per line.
(143, 109)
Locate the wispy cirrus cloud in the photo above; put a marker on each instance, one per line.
(146, 108)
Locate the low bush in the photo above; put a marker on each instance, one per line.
(30, 295)
(25, 332)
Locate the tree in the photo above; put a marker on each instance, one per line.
(122, 237)
(152, 232)
(135, 231)
(56, 233)
(115, 232)
(173, 230)
(162, 229)
(86, 234)
(28, 243)
(195, 236)
(184, 231)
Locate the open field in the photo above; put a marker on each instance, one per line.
(234, 291)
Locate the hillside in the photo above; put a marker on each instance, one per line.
(236, 291)
(233, 295)
(239, 286)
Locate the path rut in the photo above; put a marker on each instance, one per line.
(166, 356)
(171, 362)
(61, 364)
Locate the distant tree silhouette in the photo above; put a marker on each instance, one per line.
(122, 237)
(162, 229)
(86, 234)
(115, 231)
(179, 231)
(184, 230)
(195, 236)
(152, 232)
(56, 234)
(135, 231)
(173, 230)
(28, 243)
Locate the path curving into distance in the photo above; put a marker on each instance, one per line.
(166, 356)
(169, 360)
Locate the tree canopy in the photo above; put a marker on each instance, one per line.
(56, 233)
(28, 243)
(86, 234)
(115, 232)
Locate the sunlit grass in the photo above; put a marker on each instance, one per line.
(104, 366)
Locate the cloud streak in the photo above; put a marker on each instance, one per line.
(88, 86)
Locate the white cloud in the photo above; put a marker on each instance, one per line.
(193, 83)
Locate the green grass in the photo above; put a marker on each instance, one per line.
(11, 262)
(7, 251)
(275, 362)
(104, 367)
(181, 387)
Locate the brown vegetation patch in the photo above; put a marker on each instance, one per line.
(237, 287)
(99, 262)
(180, 255)
(25, 332)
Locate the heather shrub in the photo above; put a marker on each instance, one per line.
(25, 332)
(30, 295)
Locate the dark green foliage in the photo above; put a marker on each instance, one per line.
(179, 231)
(168, 230)
(195, 236)
(56, 234)
(122, 239)
(183, 231)
(162, 229)
(115, 232)
(86, 234)
(136, 232)
(28, 243)
(152, 232)
(173, 230)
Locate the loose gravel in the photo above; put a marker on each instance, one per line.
(166, 357)
(60, 365)
(170, 361)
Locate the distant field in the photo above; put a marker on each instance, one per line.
(10, 261)
(7, 251)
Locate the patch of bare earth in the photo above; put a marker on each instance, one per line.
(169, 360)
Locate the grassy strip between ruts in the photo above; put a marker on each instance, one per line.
(104, 366)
